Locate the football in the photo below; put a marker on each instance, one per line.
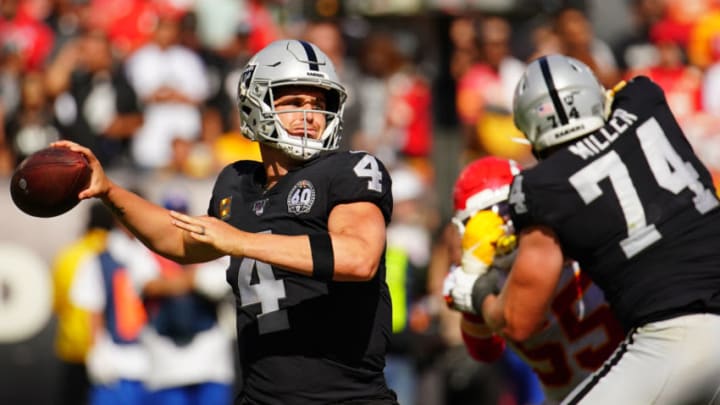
(47, 183)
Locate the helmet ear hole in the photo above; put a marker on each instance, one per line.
(332, 99)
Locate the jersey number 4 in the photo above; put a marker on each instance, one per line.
(267, 290)
(670, 172)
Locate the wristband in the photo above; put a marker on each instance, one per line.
(322, 256)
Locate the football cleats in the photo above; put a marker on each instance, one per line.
(558, 99)
(289, 63)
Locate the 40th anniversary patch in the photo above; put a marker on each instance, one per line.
(301, 197)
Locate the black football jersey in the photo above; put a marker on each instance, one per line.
(634, 205)
(302, 340)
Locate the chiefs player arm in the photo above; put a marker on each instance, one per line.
(481, 344)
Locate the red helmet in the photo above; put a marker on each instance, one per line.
(482, 184)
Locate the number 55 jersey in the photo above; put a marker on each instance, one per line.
(580, 335)
(303, 340)
(632, 203)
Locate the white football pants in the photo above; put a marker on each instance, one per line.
(671, 362)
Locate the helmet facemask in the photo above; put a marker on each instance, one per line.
(285, 63)
(304, 147)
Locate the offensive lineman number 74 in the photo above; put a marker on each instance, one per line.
(670, 172)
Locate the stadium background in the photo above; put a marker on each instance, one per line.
(28, 245)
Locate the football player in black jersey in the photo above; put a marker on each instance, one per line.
(618, 188)
(305, 231)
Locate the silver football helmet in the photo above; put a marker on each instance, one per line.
(283, 63)
(558, 99)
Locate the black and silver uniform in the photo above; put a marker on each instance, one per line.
(302, 340)
(634, 205)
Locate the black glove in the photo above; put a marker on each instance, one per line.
(485, 285)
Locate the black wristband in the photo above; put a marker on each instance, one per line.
(322, 256)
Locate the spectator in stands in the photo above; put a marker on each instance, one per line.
(170, 80)
(464, 44)
(32, 127)
(10, 71)
(396, 120)
(577, 39)
(328, 36)
(191, 356)
(25, 33)
(697, 23)
(69, 20)
(94, 103)
(231, 145)
(73, 336)
(635, 50)
(682, 83)
(406, 260)
(484, 95)
(117, 363)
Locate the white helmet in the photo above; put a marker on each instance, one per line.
(283, 63)
(558, 99)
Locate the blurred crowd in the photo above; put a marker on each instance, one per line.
(149, 86)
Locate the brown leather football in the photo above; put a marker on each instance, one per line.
(47, 183)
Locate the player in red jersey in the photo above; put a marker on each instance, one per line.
(580, 331)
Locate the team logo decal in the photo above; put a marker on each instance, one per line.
(259, 206)
(224, 208)
(244, 82)
(301, 197)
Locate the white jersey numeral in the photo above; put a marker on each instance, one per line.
(640, 234)
(669, 170)
(517, 196)
(301, 196)
(368, 167)
(267, 291)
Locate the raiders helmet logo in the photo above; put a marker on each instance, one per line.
(244, 83)
(301, 197)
